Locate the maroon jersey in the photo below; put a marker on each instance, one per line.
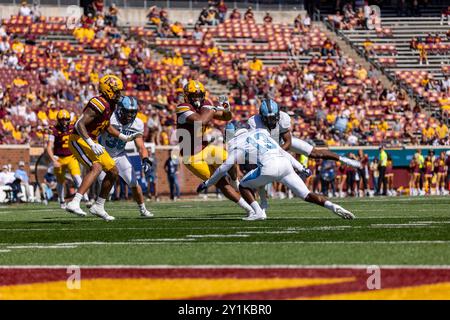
(439, 165)
(389, 169)
(104, 111)
(428, 167)
(196, 133)
(61, 141)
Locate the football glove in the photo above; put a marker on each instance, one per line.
(305, 173)
(224, 102)
(131, 137)
(202, 187)
(96, 148)
(147, 165)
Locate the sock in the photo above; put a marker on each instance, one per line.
(77, 198)
(142, 207)
(255, 206)
(77, 179)
(244, 205)
(329, 205)
(100, 202)
(60, 189)
(262, 195)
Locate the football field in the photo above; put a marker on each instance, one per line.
(299, 241)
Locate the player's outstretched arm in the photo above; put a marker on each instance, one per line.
(204, 116)
(125, 138)
(233, 158)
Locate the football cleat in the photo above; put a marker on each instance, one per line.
(254, 217)
(74, 208)
(62, 205)
(101, 213)
(343, 213)
(146, 214)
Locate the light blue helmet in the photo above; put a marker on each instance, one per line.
(270, 113)
(127, 109)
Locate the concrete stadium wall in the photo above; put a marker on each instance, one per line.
(12, 154)
(137, 17)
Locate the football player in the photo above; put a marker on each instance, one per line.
(125, 121)
(278, 123)
(84, 145)
(272, 164)
(61, 156)
(201, 157)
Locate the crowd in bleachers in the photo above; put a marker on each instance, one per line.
(333, 100)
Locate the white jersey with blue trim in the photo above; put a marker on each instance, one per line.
(283, 125)
(114, 146)
(256, 147)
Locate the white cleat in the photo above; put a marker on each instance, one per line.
(254, 217)
(74, 208)
(62, 205)
(351, 162)
(146, 214)
(101, 213)
(343, 213)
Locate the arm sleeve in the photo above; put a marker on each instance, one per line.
(297, 165)
(51, 138)
(224, 168)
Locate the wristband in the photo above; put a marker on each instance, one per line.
(123, 137)
(89, 141)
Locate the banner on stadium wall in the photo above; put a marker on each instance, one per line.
(401, 157)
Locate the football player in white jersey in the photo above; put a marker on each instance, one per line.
(279, 125)
(272, 164)
(125, 121)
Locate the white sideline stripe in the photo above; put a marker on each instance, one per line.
(187, 242)
(231, 266)
(42, 247)
(217, 236)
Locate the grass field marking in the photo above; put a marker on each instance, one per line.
(42, 247)
(163, 239)
(217, 236)
(231, 266)
(184, 242)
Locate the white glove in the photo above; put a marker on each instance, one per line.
(224, 102)
(96, 148)
(131, 137)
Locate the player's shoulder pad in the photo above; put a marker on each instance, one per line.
(98, 103)
(285, 121)
(183, 107)
(138, 125)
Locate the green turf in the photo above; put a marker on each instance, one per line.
(412, 231)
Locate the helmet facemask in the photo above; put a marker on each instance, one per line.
(271, 120)
(126, 116)
(196, 99)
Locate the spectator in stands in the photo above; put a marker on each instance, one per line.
(171, 167)
(368, 47)
(248, 15)
(423, 55)
(367, 12)
(203, 17)
(22, 175)
(153, 15)
(445, 84)
(268, 18)
(256, 64)
(111, 16)
(235, 15)
(24, 10)
(177, 29)
(445, 14)
(197, 34)
(6, 181)
(4, 45)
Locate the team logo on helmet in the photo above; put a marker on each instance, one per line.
(111, 86)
